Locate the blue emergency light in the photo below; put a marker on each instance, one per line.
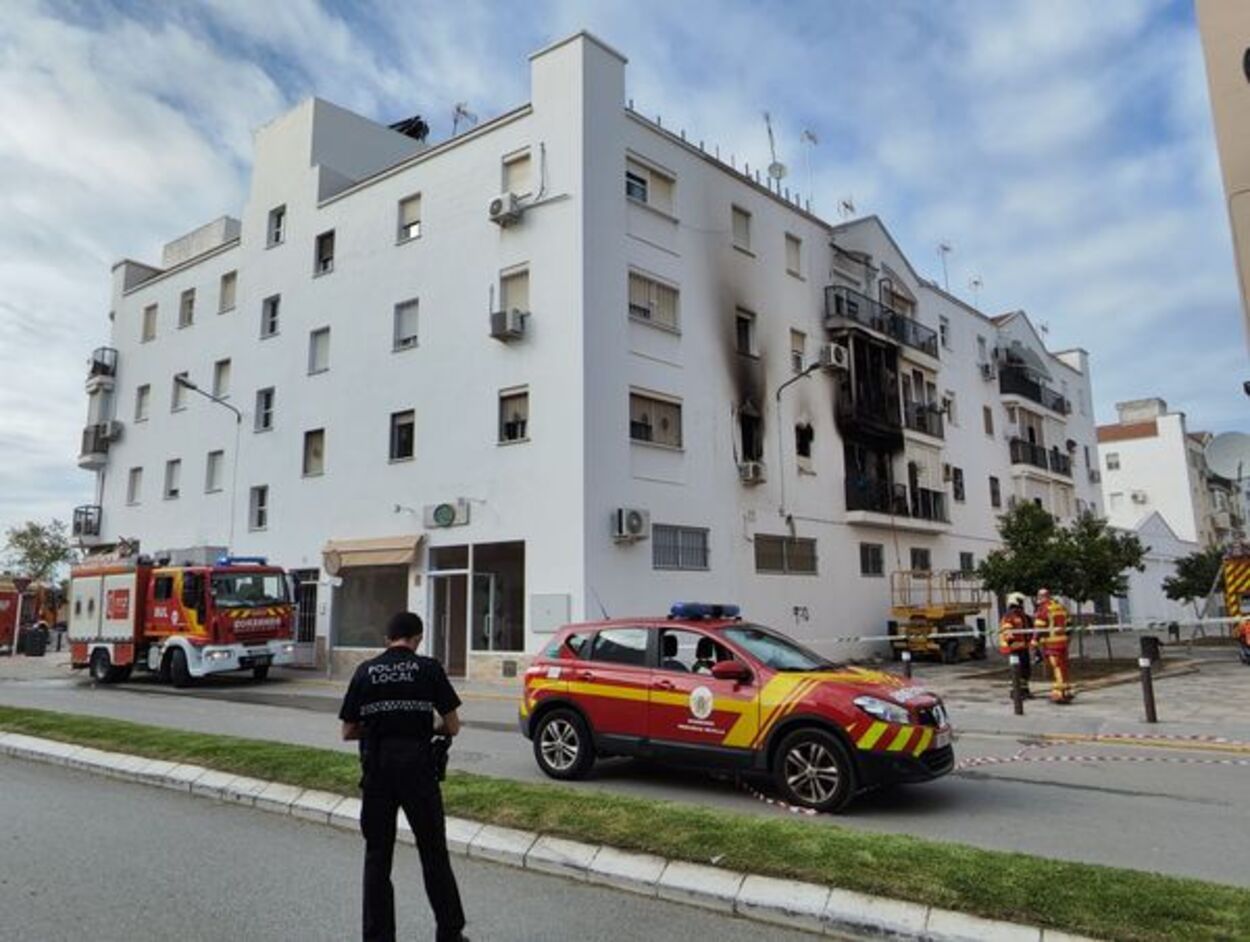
(695, 610)
(242, 561)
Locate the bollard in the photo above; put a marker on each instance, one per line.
(1147, 685)
(906, 663)
(1017, 695)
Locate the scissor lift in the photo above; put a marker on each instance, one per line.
(928, 602)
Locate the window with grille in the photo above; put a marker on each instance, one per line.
(679, 547)
(871, 559)
(403, 434)
(514, 415)
(409, 217)
(654, 420)
(405, 324)
(652, 301)
(785, 554)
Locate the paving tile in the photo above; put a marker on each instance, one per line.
(855, 913)
(502, 845)
(212, 784)
(278, 796)
(637, 873)
(700, 885)
(346, 814)
(561, 857)
(784, 902)
(314, 805)
(181, 777)
(243, 790)
(460, 832)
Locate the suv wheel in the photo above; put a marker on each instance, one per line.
(562, 745)
(812, 770)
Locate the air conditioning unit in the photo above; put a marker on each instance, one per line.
(751, 472)
(835, 356)
(112, 431)
(453, 513)
(505, 209)
(989, 370)
(1139, 497)
(630, 523)
(508, 325)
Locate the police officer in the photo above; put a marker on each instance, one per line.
(391, 707)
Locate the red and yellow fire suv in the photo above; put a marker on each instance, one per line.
(180, 622)
(704, 687)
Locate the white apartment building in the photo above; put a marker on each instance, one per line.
(510, 411)
(1152, 464)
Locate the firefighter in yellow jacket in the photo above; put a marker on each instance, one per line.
(1050, 620)
(1014, 637)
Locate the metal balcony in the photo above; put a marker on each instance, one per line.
(95, 445)
(1023, 452)
(86, 524)
(929, 505)
(101, 370)
(879, 497)
(923, 418)
(1060, 463)
(844, 305)
(1013, 381)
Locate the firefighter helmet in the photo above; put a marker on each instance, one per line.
(1014, 599)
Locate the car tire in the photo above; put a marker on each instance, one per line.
(812, 770)
(179, 673)
(562, 745)
(101, 667)
(260, 672)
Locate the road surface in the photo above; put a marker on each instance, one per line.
(83, 857)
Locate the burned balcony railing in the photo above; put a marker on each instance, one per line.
(95, 439)
(1023, 452)
(923, 418)
(103, 362)
(929, 505)
(880, 497)
(86, 522)
(846, 304)
(1014, 381)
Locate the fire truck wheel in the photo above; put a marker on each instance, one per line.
(812, 770)
(179, 673)
(101, 667)
(562, 745)
(260, 672)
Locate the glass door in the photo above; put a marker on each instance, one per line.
(449, 620)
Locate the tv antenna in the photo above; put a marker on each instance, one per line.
(976, 284)
(944, 249)
(809, 139)
(776, 170)
(846, 207)
(462, 113)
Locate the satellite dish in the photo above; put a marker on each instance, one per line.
(1228, 455)
(776, 170)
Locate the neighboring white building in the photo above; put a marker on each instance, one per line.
(1145, 600)
(507, 412)
(1152, 464)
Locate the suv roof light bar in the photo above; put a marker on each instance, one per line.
(698, 610)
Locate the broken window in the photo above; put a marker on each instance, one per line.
(750, 431)
(803, 436)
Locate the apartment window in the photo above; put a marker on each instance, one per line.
(749, 432)
(264, 409)
(258, 507)
(950, 407)
(967, 563)
(276, 230)
(741, 221)
(920, 560)
(514, 291)
(652, 301)
(514, 415)
(178, 394)
(804, 434)
(518, 174)
(403, 434)
(794, 255)
(1113, 461)
(173, 472)
(996, 494)
(314, 452)
(186, 308)
(409, 217)
(987, 418)
(148, 328)
(647, 185)
(944, 331)
(221, 379)
(679, 547)
(323, 254)
(212, 471)
(744, 332)
(269, 309)
(654, 420)
(871, 559)
(957, 484)
(319, 350)
(143, 399)
(798, 350)
(226, 293)
(785, 554)
(405, 324)
(134, 486)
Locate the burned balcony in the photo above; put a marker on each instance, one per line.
(929, 505)
(918, 509)
(926, 419)
(1015, 381)
(845, 307)
(881, 497)
(86, 524)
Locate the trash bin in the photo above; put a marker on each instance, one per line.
(1151, 648)
(36, 642)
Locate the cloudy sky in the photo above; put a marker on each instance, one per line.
(1064, 149)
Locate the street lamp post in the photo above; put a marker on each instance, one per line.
(781, 471)
(238, 426)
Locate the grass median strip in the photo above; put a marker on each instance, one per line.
(1104, 902)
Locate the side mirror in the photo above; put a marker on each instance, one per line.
(731, 670)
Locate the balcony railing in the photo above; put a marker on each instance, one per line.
(86, 521)
(1014, 381)
(880, 497)
(928, 505)
(1023, 452)
(922, 418)
(844, 304)
(103, 362)
(1060, 463)
(872, 410)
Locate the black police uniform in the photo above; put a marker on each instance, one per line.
(394, 696)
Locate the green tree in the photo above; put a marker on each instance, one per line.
(1195, 576)
(1029, 556)
(37, 550)
(1094, 560)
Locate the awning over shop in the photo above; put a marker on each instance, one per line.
(380, 551)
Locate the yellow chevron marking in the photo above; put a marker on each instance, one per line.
(753, 724)
(926, 737)
(875, 732)
(900, 740)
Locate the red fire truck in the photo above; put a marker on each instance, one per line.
(179, 621)
(10, 603)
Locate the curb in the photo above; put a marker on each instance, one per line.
(790, 903)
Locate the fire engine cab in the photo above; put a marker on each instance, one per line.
(179, 621)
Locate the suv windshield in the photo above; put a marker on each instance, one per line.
(775, 650)
(248, 590)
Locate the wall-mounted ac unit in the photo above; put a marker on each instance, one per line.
(630, 523)
(112, 431)
(751, 472)
(508, 325)
(835, 356)
(989, 370)
(505, 209)
(1139, 497)
(448, 514)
